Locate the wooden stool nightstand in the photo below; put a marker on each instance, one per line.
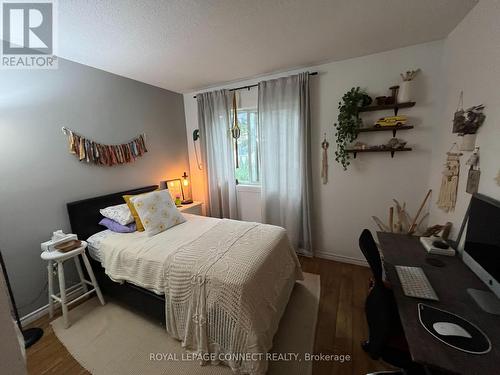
(56, 257)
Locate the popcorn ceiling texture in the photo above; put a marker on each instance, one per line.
(184, 45)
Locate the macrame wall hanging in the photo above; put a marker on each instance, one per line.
(93, 152)
(324, 161)
(235, 130)
(449, 183)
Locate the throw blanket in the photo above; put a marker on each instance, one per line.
(226, 290)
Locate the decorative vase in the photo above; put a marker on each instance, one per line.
(404, 93)
(178, 201)
(468, 142)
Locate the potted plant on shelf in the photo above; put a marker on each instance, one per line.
(468, 125)
(349, 122)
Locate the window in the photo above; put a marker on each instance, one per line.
(248, 148)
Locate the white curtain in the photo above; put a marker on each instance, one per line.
(214, 121)
(284, 128)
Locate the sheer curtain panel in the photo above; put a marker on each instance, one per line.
(284, 128)
(214, 121)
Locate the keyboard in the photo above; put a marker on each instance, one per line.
(415, 283)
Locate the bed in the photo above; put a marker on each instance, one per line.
(218, 286)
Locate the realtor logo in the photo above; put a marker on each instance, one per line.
(28, 30)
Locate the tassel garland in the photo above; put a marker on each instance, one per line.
(92, 152)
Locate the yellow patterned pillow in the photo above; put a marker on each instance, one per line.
(157, 211)
(130, 205)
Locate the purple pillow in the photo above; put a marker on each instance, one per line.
(117, 227)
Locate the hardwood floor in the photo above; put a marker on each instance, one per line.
(341, 323)
(340, 329)
(49, 356)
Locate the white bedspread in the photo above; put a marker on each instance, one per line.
(140, 260)
(226, 283)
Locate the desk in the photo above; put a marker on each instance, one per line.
(450, 283)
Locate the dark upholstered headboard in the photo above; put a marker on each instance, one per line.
(84, 215)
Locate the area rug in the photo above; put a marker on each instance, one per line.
(110, 339)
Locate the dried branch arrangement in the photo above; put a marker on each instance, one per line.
(400, 220)
(409, 75)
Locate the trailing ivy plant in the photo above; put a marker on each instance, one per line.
(349, 122)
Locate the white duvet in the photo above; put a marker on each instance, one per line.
(226, 283)
(139, 259)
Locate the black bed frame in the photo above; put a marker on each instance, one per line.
(84, 217)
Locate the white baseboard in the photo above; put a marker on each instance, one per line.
(44, 310)
(35, 315)
(341, 258)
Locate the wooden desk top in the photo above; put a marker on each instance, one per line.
(450, 283)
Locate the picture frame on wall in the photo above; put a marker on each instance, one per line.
(175, 188)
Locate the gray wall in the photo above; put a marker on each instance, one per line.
(39, 176)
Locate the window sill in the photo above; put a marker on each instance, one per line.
(248, 188)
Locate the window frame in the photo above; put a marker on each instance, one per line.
(251, 166)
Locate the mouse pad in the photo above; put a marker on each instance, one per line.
(443, 325)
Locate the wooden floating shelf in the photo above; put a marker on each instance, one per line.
(392, 151)
(386, 128)
(383, 107)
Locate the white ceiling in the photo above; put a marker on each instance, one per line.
(183, 45)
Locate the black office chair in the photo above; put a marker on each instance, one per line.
(386, 339)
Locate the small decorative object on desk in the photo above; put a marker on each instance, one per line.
(405, 88)
(434, 231)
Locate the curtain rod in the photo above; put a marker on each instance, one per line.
(250, 86)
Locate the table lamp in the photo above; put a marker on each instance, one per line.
(186, 189)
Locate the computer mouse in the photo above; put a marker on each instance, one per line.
(440, 244)
(450, 329)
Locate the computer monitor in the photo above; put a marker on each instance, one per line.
(482, 242)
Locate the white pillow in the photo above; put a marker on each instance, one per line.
(157, 211)
(119, 213)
